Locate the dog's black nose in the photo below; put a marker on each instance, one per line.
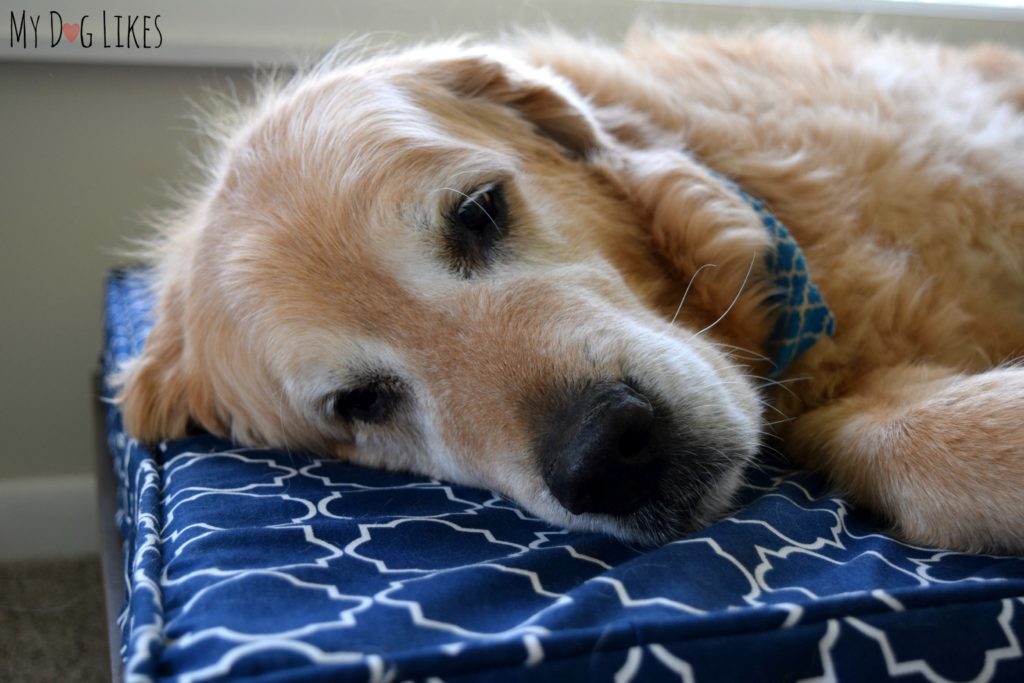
(596, 452)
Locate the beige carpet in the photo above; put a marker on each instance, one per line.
(52, 623)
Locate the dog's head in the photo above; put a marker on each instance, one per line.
(417, 263)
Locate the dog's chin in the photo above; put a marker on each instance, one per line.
(670, 517)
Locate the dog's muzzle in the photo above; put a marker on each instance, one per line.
(596, 454)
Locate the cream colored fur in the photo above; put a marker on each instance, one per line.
(312, 252)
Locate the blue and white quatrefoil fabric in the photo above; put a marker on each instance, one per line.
(263, 565)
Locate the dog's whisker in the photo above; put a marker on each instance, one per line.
(773, 450)
(687, 290)
(788, 380)
(769, 382)
(776, 409)
(754, 354)
(743, 285)
(745, 359)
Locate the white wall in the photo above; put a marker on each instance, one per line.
(89, 139)
(85, 150)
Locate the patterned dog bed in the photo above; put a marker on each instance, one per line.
(264, 565)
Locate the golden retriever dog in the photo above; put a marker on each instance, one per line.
(555, 269)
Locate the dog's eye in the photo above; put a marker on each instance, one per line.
(478, 213)
(476, 224)
(371, 403)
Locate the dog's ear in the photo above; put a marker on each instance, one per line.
(539, 96)
(160, 393)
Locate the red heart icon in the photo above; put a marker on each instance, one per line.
(71, 31)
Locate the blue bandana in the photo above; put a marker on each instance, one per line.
(803, 316)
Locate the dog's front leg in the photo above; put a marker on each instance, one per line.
(938, 453)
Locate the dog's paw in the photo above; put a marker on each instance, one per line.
(942, 457)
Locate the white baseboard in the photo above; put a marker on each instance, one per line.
(48, 517)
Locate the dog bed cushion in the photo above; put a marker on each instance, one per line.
(265, 565)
